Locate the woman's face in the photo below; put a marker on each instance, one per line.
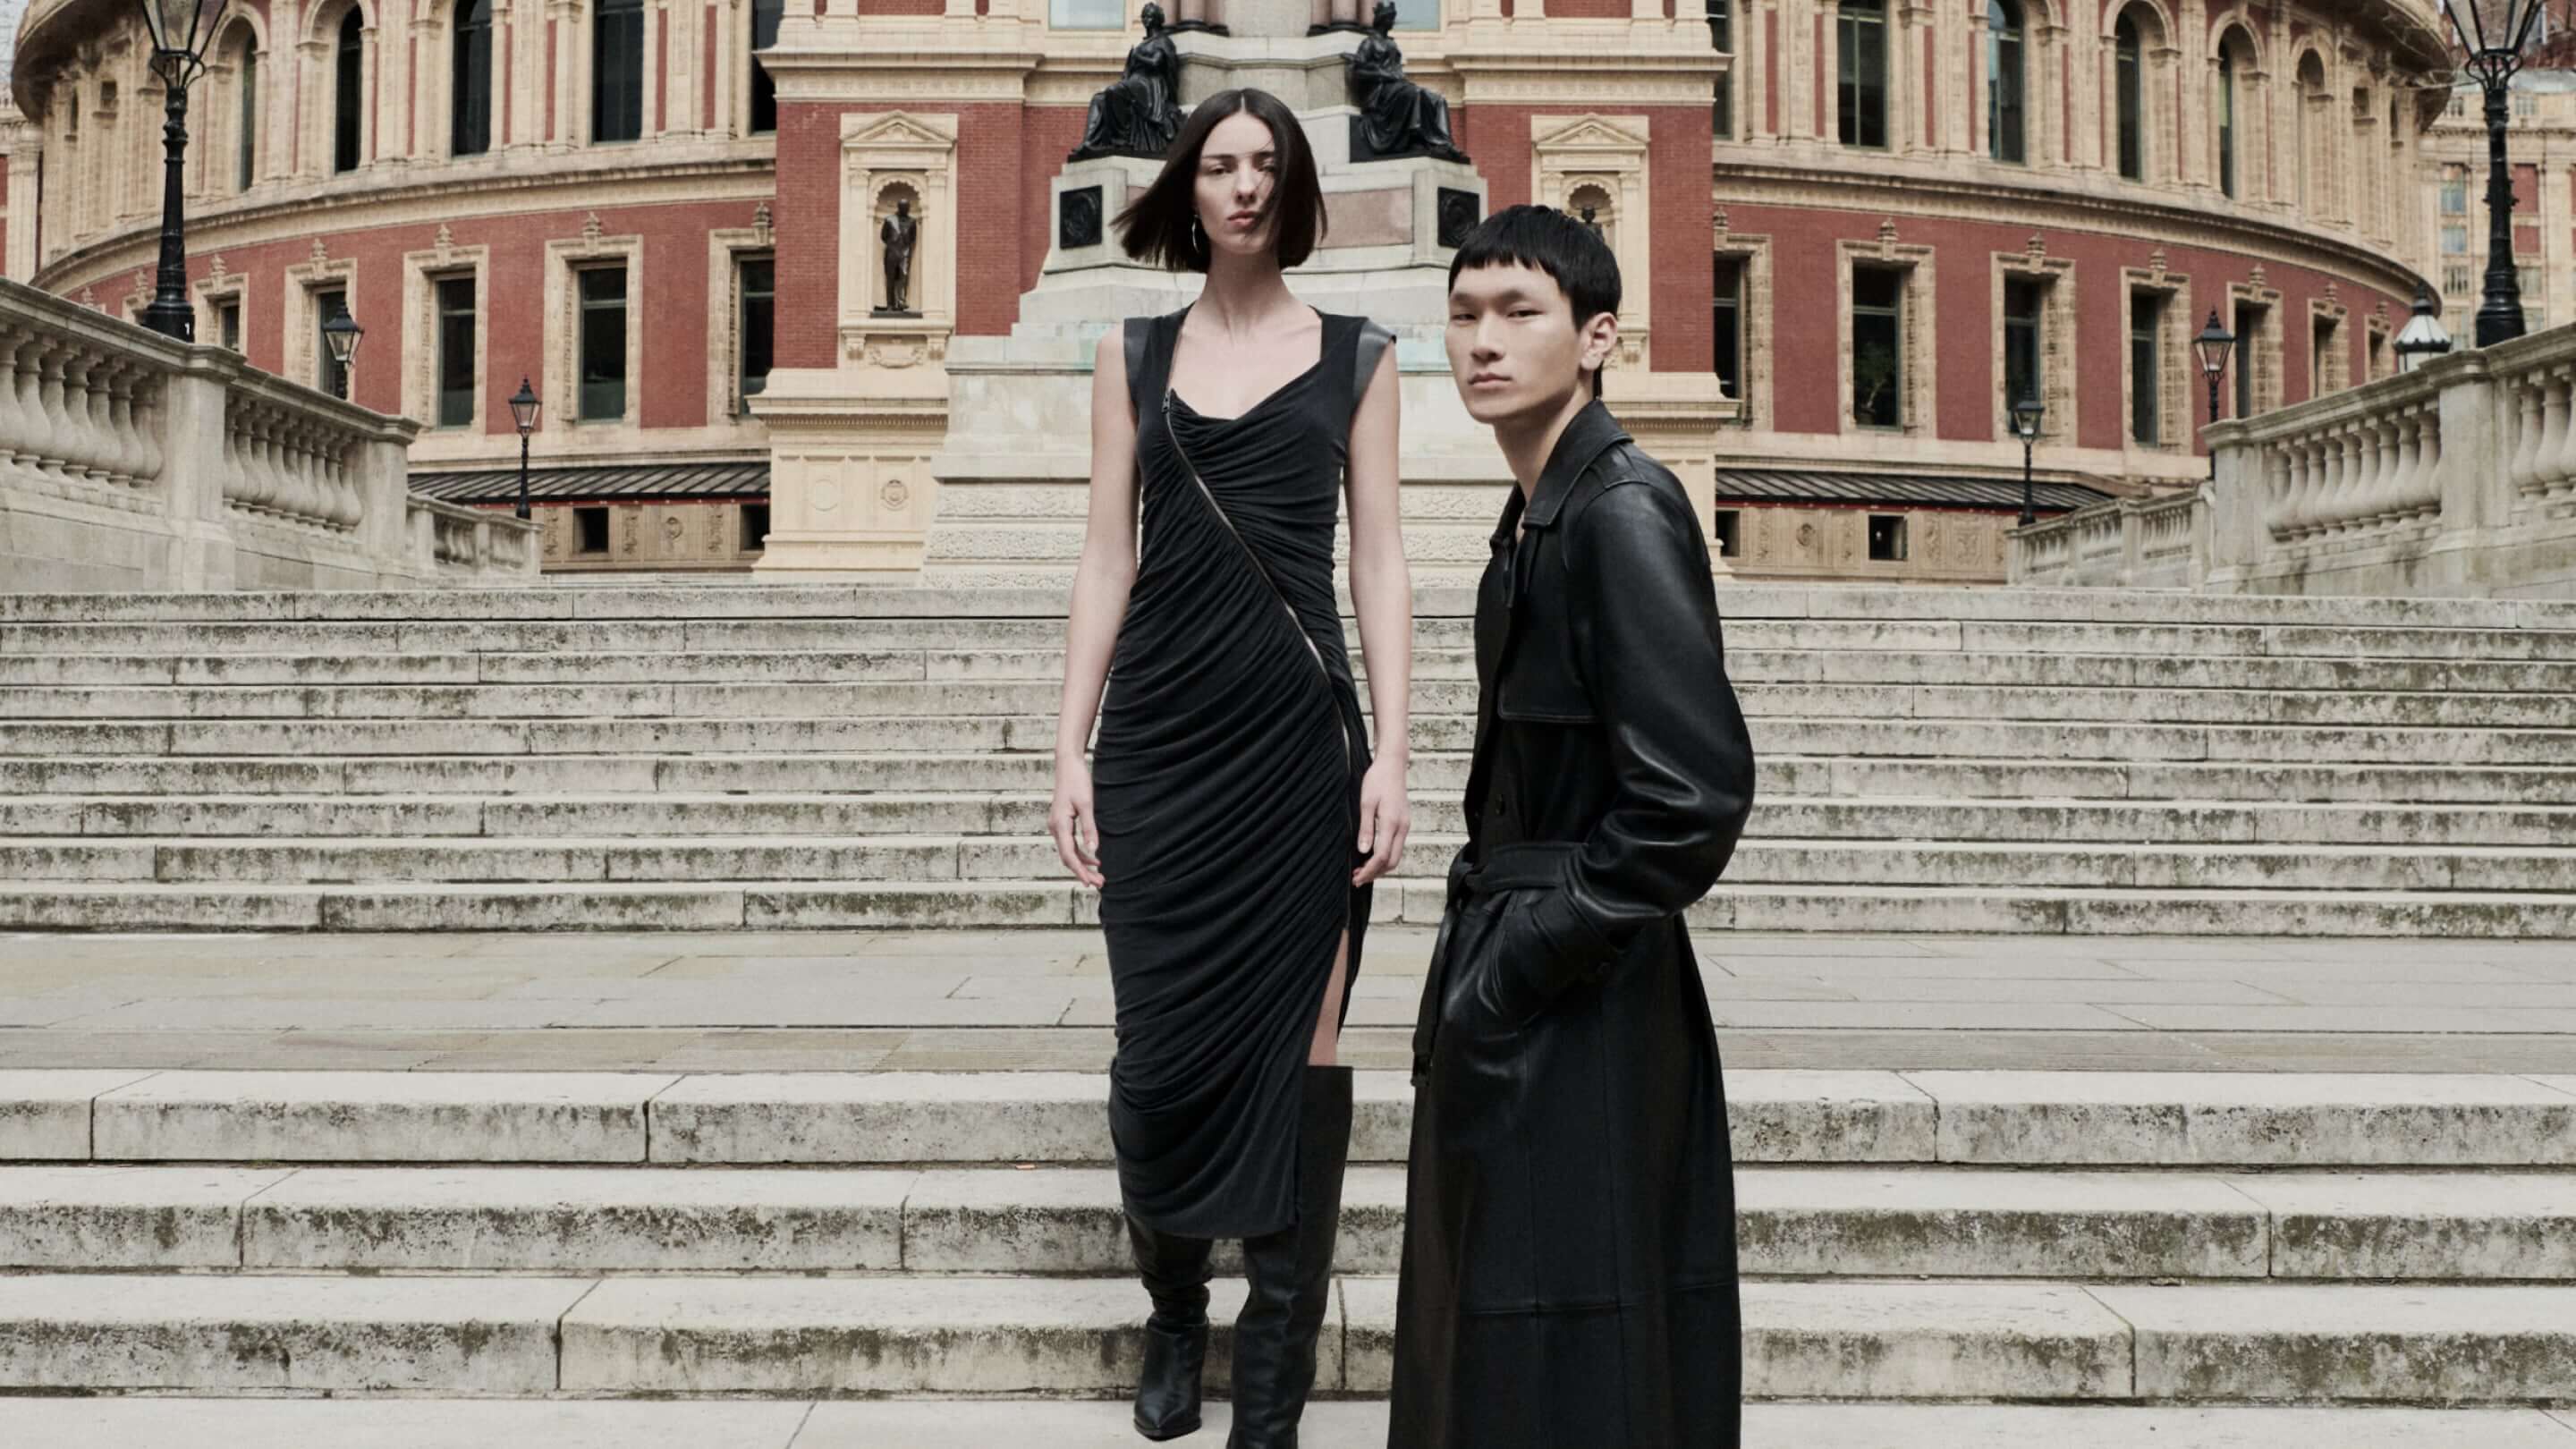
(1237, 169)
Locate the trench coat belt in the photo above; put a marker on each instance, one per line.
(1520, 867)
(1504, 868)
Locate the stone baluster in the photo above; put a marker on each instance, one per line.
(2547, 454)
(97, 374)
(2391, 504)
(13, 417)
(2285, 471)
(144, 415)
(120, 423)
(2524, 459)
(34, 441)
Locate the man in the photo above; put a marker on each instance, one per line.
(1569, 1253)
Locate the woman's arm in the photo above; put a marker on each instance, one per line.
(1100, 584)
(1382, 593)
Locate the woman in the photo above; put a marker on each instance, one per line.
(1232, 817)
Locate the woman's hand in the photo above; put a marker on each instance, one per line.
(1075, 828)
(1386, 819)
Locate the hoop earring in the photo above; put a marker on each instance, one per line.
(1198, 237)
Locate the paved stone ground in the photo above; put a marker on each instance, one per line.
(982, 1001)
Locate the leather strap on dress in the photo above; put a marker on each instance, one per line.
(1373, 343)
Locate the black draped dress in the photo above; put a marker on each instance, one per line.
(1226, 777)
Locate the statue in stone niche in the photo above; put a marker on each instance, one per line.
(1140, 112)
(896, 236)
(1397, 117)
(1593, 222)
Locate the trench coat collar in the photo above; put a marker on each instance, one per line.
(1586, 435)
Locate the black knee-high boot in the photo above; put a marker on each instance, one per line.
(1291, 1273)
(1175, 1270)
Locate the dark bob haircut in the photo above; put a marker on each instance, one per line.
(1157, 226)
(1547, 240)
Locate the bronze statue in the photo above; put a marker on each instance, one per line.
(1397, 117)
(896, 234)
(1139, 113)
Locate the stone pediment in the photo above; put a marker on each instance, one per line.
(899, 129)
(1591, 133)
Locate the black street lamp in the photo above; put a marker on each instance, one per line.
(180, 30)
(2026, 413)
(2493, 36)
(2214, 344)
(341, 333)
(523, 411)
(2423, 337)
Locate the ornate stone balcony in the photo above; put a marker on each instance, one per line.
(2458, 479)
(128, 461)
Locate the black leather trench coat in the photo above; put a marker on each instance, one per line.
(1569, 1255)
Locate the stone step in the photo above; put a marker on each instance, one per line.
(2292, 746)
(997, 658)
(201, 648)
(140, 1422)
(2012, 908)
(758, 702)
(840, 859)
(2101, 1120)
(657, 600)
(1798, 1223)
(673, 817)
(2189, 785)
(911, 1334)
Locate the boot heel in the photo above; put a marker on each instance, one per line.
(1291, 1274)
(1175, 1270)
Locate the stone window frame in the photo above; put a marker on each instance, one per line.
(2316, 138)
(2268, 343)
(2058, 352)
(726, 249)
(1609, 153)
(214, 113)
(1904, 121)
(2173, 372)
(2378, 339)
(2044, 122)
(317, 88)
(433, 46)
(219, 286)
(1916, 321)
(2160, 118)
(576, 80)
(733, 62)
(1753, 318)
(422, 271)
(301, 322)
(562, 387)
(2329, 371)
(2254, 139)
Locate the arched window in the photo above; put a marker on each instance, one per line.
(765, 15)
(348, 93)
(2004, 89)
(2316, 138)
(246, 113)
(2226, 119)
(2130, 86)
(469, 94)
(617, 71)
(1860, 34)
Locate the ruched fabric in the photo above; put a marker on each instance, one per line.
(1226, 778)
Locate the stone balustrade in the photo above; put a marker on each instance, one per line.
(129, 461)
(2458, 479)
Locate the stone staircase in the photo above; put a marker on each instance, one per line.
(643, 756)
(2085, 1239)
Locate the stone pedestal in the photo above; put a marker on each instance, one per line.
(850, 487)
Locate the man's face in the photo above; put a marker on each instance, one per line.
(1513, 344)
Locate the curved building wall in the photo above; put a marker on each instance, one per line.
(2271, 149)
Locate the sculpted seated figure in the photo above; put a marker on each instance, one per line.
(1139, 113)
(1397, 117)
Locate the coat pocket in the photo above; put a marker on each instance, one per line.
(1496, 979)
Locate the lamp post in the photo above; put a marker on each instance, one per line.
(341, 333)
(180, 32)
(2026, 413)
(523, 411)
(2214, 344)
(2493, 36)
(2423, 337)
